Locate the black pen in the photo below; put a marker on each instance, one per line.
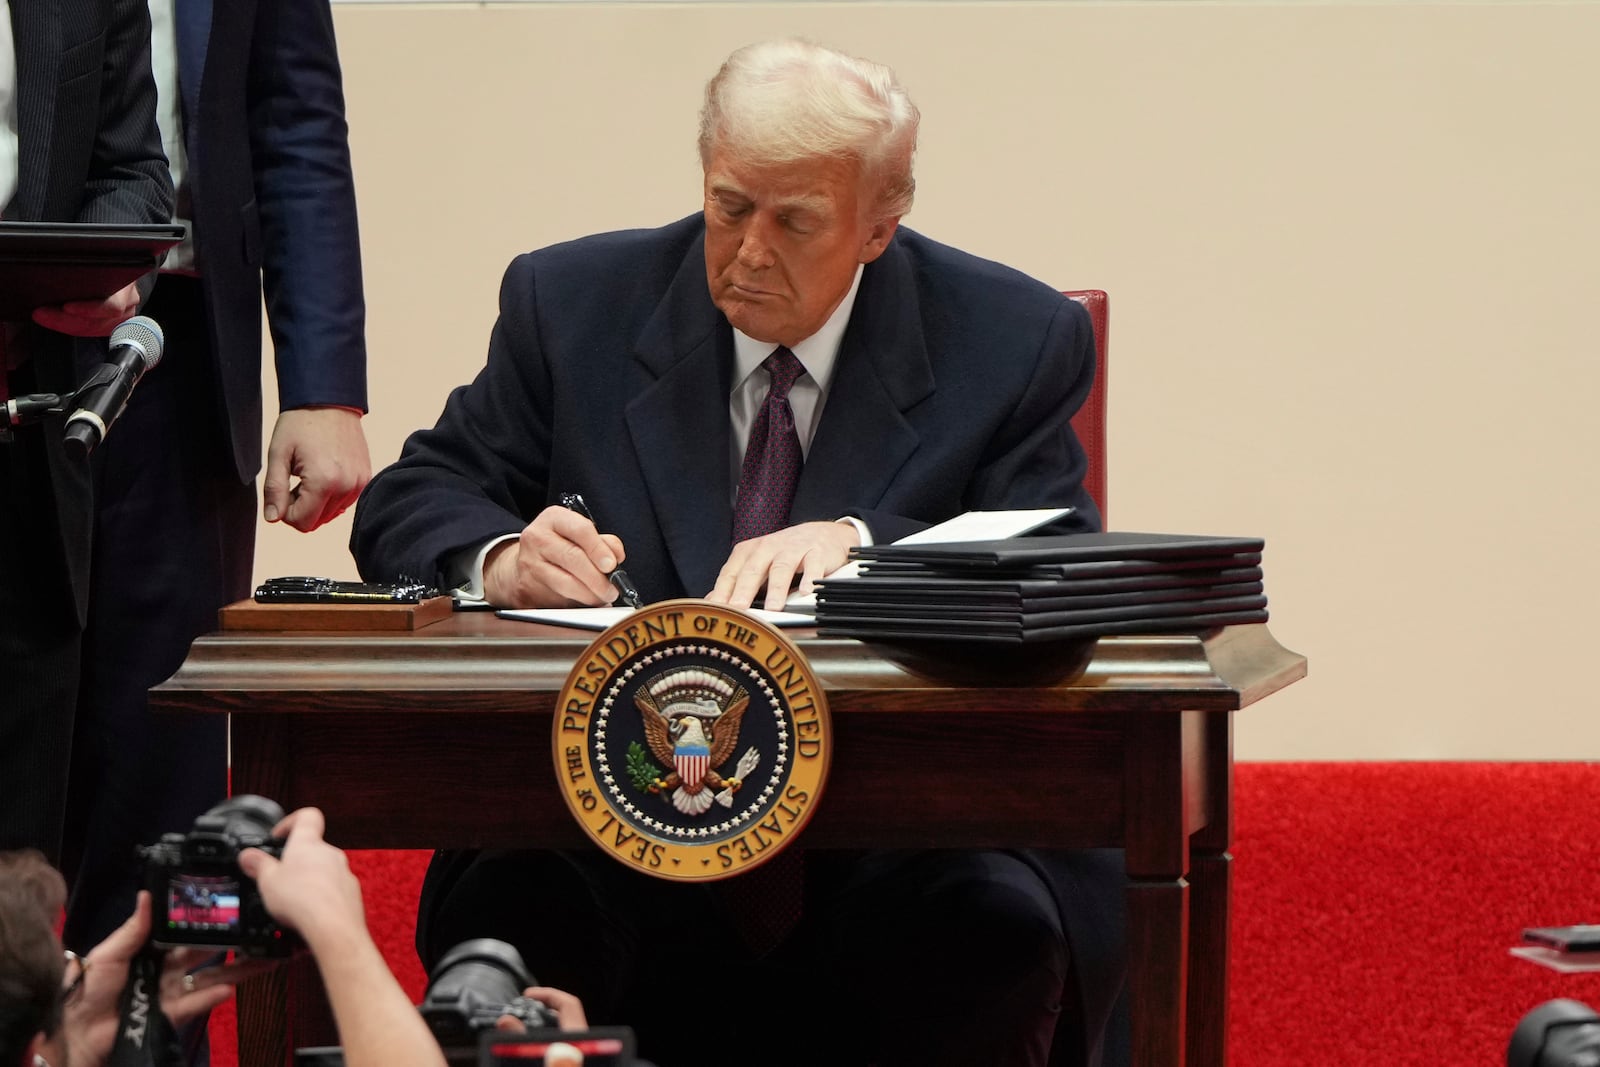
(618, 577)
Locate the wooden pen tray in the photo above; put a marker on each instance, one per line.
(249, 615)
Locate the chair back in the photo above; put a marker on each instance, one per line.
(1090, 421)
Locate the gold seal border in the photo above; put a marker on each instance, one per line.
(761, 649)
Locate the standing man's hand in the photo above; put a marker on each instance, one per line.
(810, 550)
(559, 559)
(325, 449)
(91, 318)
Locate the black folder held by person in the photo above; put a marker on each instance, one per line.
(43, 264)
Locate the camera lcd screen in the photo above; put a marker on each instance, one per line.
(202, 903)
(605, 1047)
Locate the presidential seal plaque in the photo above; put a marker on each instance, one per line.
(692, 741)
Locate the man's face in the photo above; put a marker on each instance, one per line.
(783, 242)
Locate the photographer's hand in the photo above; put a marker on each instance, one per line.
(568, 1009)
(186, 996)
(90, 1016)
(311, 890)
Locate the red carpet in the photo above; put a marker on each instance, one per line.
(1373, 907)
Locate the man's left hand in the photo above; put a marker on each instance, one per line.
(90, 318)
(325, 449)
(810, 550)
(89, 1017)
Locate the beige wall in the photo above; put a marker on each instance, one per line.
(1351, 250)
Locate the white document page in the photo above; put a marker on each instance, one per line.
(968, 526)
(601, 618)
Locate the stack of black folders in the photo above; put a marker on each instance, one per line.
(1068, 587)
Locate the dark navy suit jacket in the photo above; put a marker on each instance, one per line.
(609, 372)
(273, 202)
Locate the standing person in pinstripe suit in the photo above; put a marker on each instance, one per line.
(251, 109)
(78, 143)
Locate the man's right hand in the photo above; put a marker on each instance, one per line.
(568, 1008)
(559, 560)
(310, 888)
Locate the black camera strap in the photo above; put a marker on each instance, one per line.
(145, 1037)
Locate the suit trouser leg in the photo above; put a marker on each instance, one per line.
(922, 958)
(930, 957)
(39, 639)
(638, 951)
(174, 539)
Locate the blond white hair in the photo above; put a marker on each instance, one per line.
(780, 102)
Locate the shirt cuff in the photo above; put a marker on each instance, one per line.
(861, 529)
(464, 571)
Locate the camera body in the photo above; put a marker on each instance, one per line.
(471, 986)
(198, 894)
(469, 989)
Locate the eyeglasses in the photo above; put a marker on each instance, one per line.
(72, 976)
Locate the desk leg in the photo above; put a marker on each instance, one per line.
(286, 1008)
(1158, 932)
(262, 1003)
(1210, 876)
(1156, 836)
(261, 750)
(1208, 960)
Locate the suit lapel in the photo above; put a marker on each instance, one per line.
(679, 424)
(883, 370)
(36, 29)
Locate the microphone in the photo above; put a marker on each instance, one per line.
(135, 348)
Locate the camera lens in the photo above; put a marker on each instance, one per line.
(1558, 1033)
(470, 987)
(244, 819)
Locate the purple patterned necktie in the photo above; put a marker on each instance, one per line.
(772, 459)
(764, 904)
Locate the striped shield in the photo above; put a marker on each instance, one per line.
(691, 760)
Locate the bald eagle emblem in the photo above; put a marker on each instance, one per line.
(691, 721)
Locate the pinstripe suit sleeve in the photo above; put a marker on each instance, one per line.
(128, 179)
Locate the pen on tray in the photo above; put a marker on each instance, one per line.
(619, 577)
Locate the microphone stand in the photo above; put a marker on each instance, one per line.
(29, 409)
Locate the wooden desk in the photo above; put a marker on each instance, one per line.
(439, 738)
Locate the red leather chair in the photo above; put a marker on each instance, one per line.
(1090, 421)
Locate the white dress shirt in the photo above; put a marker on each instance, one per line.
(169, 116)
(817, 354)
(8, 109)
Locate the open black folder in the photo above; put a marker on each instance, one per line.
(1016, 552)
(47, 263)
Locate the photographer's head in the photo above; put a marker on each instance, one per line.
(31, 961)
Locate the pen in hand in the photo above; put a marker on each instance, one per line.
(618, 577)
